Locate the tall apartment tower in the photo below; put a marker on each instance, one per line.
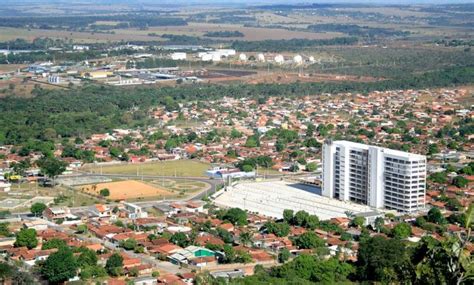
(374, 176)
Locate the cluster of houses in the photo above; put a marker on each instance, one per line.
(378, 118)
(106, 229)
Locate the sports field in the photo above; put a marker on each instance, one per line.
(129, 189)
(177, 168)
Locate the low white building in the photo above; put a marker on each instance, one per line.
(178, 56)
(135, 211)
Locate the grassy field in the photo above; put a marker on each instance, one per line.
(63, 196)
(193, 29)
(177, 168)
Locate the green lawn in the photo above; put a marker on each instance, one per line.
(177, 168)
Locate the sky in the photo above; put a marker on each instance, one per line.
(403, 2)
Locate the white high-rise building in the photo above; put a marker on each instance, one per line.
(375, 176)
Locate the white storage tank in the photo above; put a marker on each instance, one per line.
(298, 59)
(279, 59)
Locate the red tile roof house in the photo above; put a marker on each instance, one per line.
(101, 210)
(208, 239)
(106, 230)
(114, 281)
(116, 239)
(204, 261)
(164, 250)
(142, 269)
(32, 256)
(170, 279)
(129, 262)
(227, 226)
(187, 277)
(341, 221)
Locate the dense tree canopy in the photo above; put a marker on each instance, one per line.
(60, 266)
(90, 109)
(26, 237)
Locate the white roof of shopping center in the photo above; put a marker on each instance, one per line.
(270, 198)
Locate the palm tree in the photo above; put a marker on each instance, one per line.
(246, 238)
(349, 214)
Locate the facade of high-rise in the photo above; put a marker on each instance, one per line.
(374, 176)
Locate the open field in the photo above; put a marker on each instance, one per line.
(178, 168)
(129, 189)
(20, 88)
(63, 196)
(193, 29)
(181, 186)
(250, 33)
(11, 67)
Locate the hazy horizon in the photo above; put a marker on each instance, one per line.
(246, 2)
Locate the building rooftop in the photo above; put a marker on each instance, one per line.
(384, 149)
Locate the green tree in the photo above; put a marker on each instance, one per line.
(54, 243)
(37, 209)
(447, 261)
(381, 259)
(226, 236)
(252, 141)
(129, 244)
(246, 238)
(92, 272)
(379, 224)
(358, 221)
(278, 229)
(460, 182)
(439, 177)
(26, 237)
(4, 230)
(104, 192)
(309, 240)
(114, 265)
(310, 130)
(401, 231)
(311, 167)
(300, 218)
(87, 257)
(51, 166)
(234, 134)
(81, 229)
(180, 239)
(283, 255)
(288, 215)
(59, 266)
(435, 216)
(236, 216)
(311, 222)
(247, 168)
(433, 149)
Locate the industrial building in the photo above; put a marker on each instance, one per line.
(374, 176)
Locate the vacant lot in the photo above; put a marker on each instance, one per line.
(122, 190)
(178, 168)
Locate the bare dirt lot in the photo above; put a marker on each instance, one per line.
(129, 189)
